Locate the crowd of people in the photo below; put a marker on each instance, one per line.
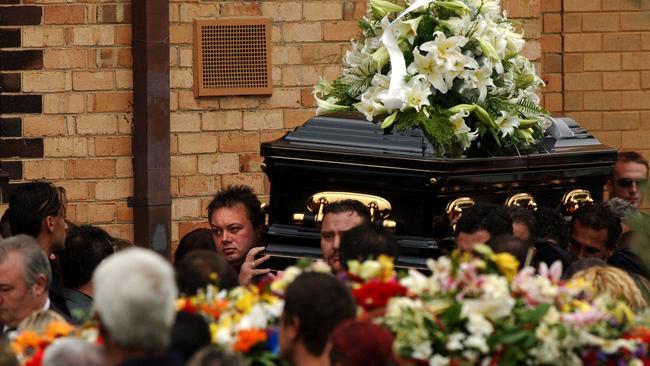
(51, 268)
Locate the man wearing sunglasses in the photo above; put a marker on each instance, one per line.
(630, 177)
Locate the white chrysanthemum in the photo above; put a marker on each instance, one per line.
(455, 341)
(477, 324)
(422, 351)
(477, 342)
(438, 360)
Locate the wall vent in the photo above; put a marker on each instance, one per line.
(232, 56)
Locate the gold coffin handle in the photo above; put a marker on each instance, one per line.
(572, 200)
(525, 200)
(379, 207)
(455, 209)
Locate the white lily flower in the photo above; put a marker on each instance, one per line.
(463, 133)
(507, 123)
(416, 93)
(407, 29)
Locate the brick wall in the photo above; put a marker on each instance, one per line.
(66, 102)
(607, 70)
(66, 112)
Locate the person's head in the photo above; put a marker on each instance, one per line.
(361, 342)
(135, 295)
(629, 177)
(582, 264)
(197, 269)
(366, 241)
(190, 333)
(214, 356)
(524, 226)
(595, 230)
(85, 247)
(624, 210)
(25, 276)
(315, 303)
(69, 351)
(481, 222)
(552, 227)
(237, 221)
(39, 320)
(510, 244)
(614, 281)
(196, 239)
(338, 217)
(38, 209)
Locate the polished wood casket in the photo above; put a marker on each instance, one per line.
(408, 188)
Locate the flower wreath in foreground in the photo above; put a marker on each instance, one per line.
(452, 68)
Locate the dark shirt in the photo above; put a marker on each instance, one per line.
(628, 261)
(80, 304)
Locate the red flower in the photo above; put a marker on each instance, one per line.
(375, 294)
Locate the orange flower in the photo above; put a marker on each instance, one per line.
(56, 329)
(246, 339)
(215, 309)
(26, 340)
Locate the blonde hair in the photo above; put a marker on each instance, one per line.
(39, 320)
(614, 281)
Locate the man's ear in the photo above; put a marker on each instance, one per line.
(293, 329)
(48, 223)
(40, 286)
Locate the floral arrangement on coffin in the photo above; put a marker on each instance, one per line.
(477, 310)
(452, 68)
(29, 346)
(245, 319)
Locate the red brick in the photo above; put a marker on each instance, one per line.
(598, 100)
(636, 61)
(111, 102)
(602, 61)
(551, 6)
(634, 140)
(609, 138)
(573, 62)
(552, 23)
(113, 146)
(340, 31)
(621, 120)
(583, 81)
(582, 42)
(307, 97)
(552, 62)
(571, 23)
(554, 102)
(635, 21)
(621, 42)
(553, 83)
(239, 142)
(630, 80)
(635, 100)
(581, 5)
(63, 14)
(296, 117)
(592, 121)
(94, 168)
(573, 101)
(600, 22)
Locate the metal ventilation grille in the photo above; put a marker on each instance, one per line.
(232, 56)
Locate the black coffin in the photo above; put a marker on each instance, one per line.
(343, 152)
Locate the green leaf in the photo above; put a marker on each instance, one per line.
(514, 336)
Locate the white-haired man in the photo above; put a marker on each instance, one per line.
(25, 276)
(135, 297)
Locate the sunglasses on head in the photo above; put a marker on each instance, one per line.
(627, 182)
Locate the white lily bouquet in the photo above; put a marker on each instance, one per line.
(452, 68)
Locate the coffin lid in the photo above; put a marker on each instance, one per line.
(347, 138)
